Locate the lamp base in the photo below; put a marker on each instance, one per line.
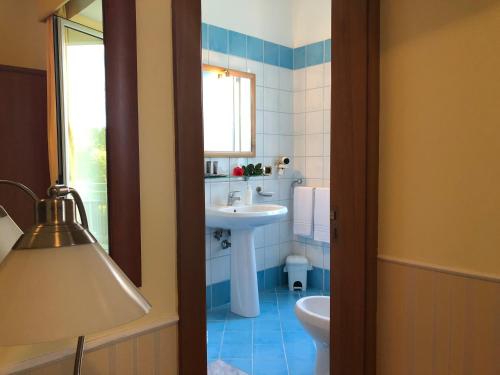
(79, 355)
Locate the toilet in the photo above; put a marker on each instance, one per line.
(314, 314)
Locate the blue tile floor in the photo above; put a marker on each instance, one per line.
(273, 343)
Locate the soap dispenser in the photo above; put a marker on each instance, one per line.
(248, 195)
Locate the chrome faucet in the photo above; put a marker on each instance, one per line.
(231, 197)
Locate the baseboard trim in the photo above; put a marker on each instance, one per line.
(442, 269)
(91, 345)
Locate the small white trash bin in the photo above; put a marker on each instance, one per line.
(297, 267)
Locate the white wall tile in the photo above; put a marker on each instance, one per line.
(326, 144)
(327, 94)
(314, 167)
(285, 101)
(314, 100)
(286, 228)
(271, 145)
(314, 122)
(259, 240)
(272, 256)
(285, 250)
(260, 258)
(326, 122)
(286, 79)
(285, 188)
(256, 68)
(259, 121)
(219, 192)
(326, 167)
(298, 248)
(299, 101)
(299, 145)
(271, 76)
(326, 257)
(315, 255)
(237, 63)
(286, 145)
(259, 98)
(208, 273)
(271, 186)
(207, 194)
(314, 76)
(286, 123)
(204, 56)
(314, 145)
(259, 145)
(299, 166)
(220, 269)
(207, 245)
(299, 80)
(271, 99)
(271, 122)
(272, 234)
(328, 74)
(299, 123)
(218, 59)
(216, 249)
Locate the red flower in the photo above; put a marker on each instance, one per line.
(238, 171)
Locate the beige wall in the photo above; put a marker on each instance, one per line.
(439, 196)
(22, 36)
(440, 132)
(157, 163)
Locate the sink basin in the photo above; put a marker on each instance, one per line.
(241, 217)
(242, 220)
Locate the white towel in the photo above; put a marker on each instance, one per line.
(303, 210)
(322, 215)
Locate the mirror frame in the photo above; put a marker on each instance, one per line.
(251, 76)
(122, 136)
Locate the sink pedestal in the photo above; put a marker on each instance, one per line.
(244, 287)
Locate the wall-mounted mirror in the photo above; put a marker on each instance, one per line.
(228, 112)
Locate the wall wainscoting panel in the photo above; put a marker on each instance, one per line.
(154, 352)
(436, 321)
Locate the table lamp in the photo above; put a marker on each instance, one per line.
(57, 281)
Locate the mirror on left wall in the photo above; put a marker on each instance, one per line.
(81, 113)
(68, 114)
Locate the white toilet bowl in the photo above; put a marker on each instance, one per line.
(314, 314)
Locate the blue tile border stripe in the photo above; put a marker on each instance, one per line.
(219, 294)
(227, 41)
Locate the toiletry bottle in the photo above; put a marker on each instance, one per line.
(248, 195)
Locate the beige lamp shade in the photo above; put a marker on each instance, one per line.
(9, 233)
(55, 293)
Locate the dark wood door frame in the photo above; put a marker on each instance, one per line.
(355, 57)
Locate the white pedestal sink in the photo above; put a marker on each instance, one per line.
(242, 220)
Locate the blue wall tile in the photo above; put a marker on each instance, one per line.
(237, 44)
(328, 50)
(315, 53)
(255, 48)
(299, 57)
(261, 280)
(271, 53)
(315, 279)
(286, 57)
(327, 280)
(220, 293)
(272, 277)
(204, 35)
(217, 39)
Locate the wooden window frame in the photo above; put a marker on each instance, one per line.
(354, 171)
